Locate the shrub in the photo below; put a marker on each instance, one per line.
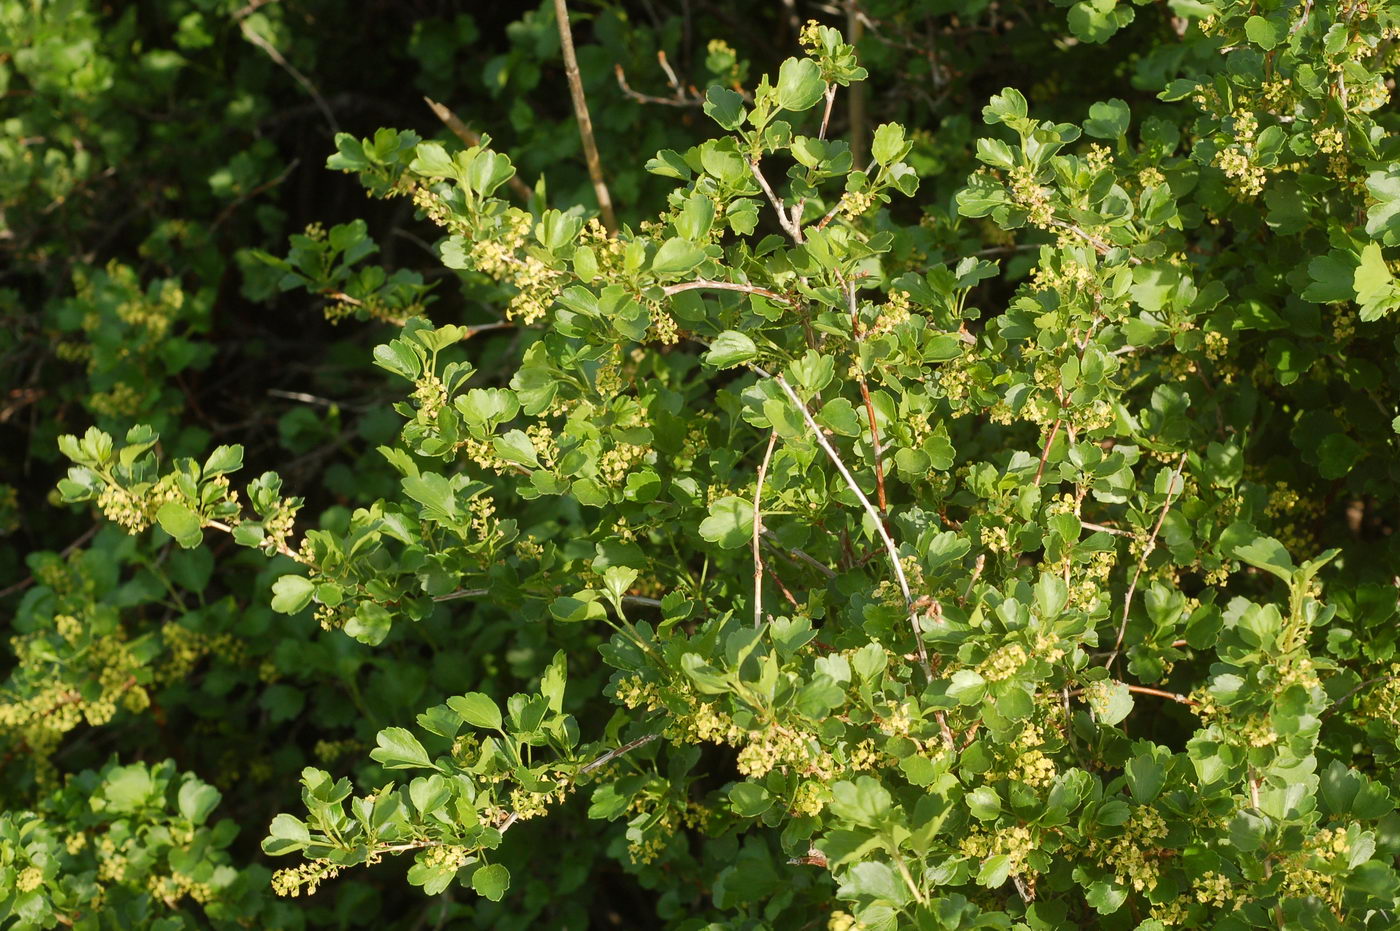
(789, 552)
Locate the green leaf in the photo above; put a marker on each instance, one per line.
(477, 709)
(1248, 830)
(1383, 217)
(399, 749)
(984, 803)
(749, 800)
(1261, 32)
(434, 492)
(872, 879)
(1096, 21)
(572, 610)
(197, 799)
(729, 349)
(432, 160)
(1268, 554)
(1113, 705)
(1337, 454)
(491, 881)
(181, 523)
(292, 593)
(724, 106)
(1108, 119)
(516, 447)
(286, 835)
(889, 145)
(128, 788)
(730, 523)
(865, 801)
(1007, 107)
(967, 687)
(222, 460)
(839, 416)
(800, 84)
(675, 258)
(1376, 290)
(995, 870)
(1146, 776)
(370, 624)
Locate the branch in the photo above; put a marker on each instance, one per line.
(874, 517)
(1337, 705)
(758, 531)
(678, 101)
(1045, 452)
(464, 132)
(783, 219)
(1099, 245)
(865, 395)
(286, 66)
(1147, 690)
(282, 548)
(976, 574)
(800, 555)
(826, 114)
(585, 124)
(611, 755)
(706, 283)
(1142, 561)
(260, 189)
(1102, 529)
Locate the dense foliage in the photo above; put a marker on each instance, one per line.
(960, 493)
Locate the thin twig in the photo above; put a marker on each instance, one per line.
(463, 593)
(1102, 529)
(874, 517)
(1148, 690)
(63, 554)
(261, 188)
(585, 124)
(1101, 247)
(758, 531)
(1337, 705)
(1045, 453)
(781, 587)
(707, 284)
(1142, 561)
(287, 66)
(869, 406)
(282, 548)
(800, 555)
(464, 132)
(783, 219)
(650, 98)
(976, 574)
(611, 755)
(826, 114)
(671, 78)
(303, 397)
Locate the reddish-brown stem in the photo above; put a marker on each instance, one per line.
(781, 587)
(869, 407)
(1045, 453)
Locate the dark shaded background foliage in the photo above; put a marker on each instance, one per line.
(151, 145)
